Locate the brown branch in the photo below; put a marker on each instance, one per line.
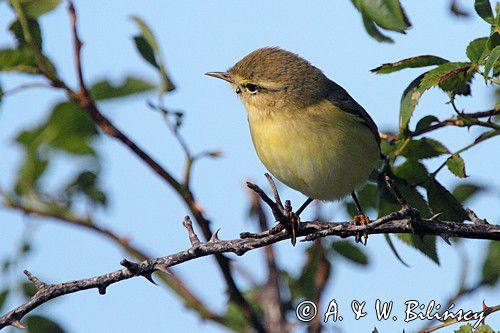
(169, 278)
(405, 221)
(86, 102)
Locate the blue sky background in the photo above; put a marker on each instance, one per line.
(201, 36)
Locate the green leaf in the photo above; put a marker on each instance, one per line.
(414, 62)
(36, 8)
(18, 60)
(491, 264)
(387, 14)
(412, 171)
(476, 49)
(86, 183)
(387, 202)
(29, 289)
(148, 47)
(423, 148)
(456, 165)
(39, 324)
(425, 122)
(31, 170)
(350, 252)
(484, 329)
(373, 31)
(483, 9)
(393, 250)
(317, 267)
(35, 31)
(493, 40)
(3, 297)
(492, 58)
(409, 100)
(104, 89)
(427, 246)
(235, 319)
(464, 192)
(442, 201)
(442, 73)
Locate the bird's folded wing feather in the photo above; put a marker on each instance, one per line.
(339, 97)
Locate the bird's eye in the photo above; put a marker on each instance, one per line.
(252, 88)
(238, 90)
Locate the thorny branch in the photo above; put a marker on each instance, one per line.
(407, 220)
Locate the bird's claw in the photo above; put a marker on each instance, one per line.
(361, 219)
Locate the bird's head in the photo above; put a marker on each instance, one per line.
(272, 78)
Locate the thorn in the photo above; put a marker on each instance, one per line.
(18, 324)
(149, 277)
(164, 269)
(435, 217)
(446, 238)
(102, 290)
(214, 237)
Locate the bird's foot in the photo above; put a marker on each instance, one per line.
(283, 213)
(361, 219)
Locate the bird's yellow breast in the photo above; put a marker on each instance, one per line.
(321, 151)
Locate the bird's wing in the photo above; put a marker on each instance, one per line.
(339, 97)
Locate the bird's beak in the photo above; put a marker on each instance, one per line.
(221, 75)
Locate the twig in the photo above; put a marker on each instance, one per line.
(397, 222)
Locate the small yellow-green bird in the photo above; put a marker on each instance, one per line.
(307, 130)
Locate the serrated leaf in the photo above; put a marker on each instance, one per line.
(36, 8)
(40, 324)
(414, 62)
(492, 58)
(148, 47)
(409, 100)
(491, 264)
(423, 148)
(427, 246)
(493, 40)
(3, 297)
(387, 202)
(464, 192)
(483, 9)
(350, 252)
(443, 72)
(18, 60)
(425, 122)
(456, 165)
(104, 89)
(476, 49)
(442, 201)
(35, 31)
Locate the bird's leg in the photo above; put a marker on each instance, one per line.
(360, 219)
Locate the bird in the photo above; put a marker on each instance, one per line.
(306, 129)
